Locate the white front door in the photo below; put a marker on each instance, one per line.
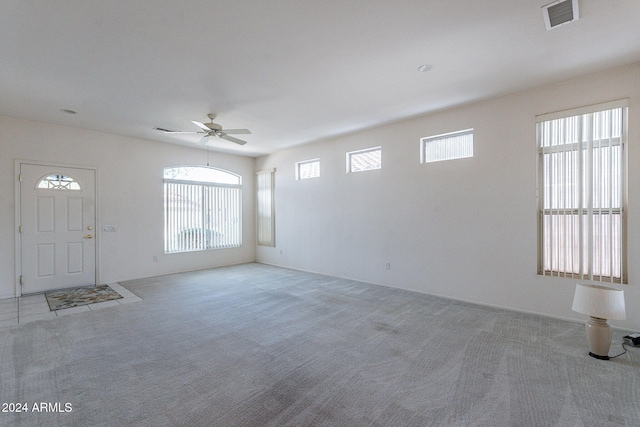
(57, 219)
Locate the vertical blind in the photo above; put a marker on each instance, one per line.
(582, 195)
(455, 145)
(201, 215)
(266, 208)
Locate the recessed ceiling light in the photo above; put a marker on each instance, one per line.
(424, 68)
(64, 110)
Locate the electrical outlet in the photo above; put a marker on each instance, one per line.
(387, 266)
(155, 258)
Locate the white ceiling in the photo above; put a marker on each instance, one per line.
(292, 71)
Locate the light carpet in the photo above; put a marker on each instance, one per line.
(255, 345)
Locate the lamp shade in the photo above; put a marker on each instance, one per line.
(599, 301)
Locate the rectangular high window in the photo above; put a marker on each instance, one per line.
(308, 169)
(364, 160)
(448, 146)
(582, 193)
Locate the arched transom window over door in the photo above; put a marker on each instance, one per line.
(202, 209)
(58, 181)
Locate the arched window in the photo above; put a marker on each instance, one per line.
(202, 209)
(58, 182)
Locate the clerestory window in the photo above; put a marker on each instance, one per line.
(448, 146)
(364, 160)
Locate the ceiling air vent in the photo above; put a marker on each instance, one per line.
(559, 13)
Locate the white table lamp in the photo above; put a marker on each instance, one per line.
(599, 303)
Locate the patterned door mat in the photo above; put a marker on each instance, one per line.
(68, 298)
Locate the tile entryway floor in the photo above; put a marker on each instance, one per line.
(14, 311)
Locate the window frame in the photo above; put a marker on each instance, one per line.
(586, 212)
(443, 138)
(300, 176)
(199, 234)
(352, 154)
(59, 182)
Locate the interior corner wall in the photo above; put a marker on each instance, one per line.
(131, 197)
(464, 229)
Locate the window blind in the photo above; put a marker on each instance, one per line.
(266, 208)
(582, 183)
(449, 146)
(203, 209)
(200, 216)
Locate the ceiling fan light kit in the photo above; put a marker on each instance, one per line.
(212, 129)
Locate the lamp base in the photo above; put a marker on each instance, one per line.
(599, 338)
(598, 356)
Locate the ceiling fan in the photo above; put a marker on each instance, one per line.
(212, 129)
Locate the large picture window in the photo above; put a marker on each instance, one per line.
(582, 193)
(202, 209)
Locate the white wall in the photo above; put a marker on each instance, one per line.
(130, 197)
(464, 229)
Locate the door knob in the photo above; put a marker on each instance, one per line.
(89, 236)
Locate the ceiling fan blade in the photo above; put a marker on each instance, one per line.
(182, 132)
(237, 131)
(201, 125)
(232, 139)
(171, 131)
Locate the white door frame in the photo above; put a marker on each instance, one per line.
(18, 248)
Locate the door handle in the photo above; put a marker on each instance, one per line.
(89, 236)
